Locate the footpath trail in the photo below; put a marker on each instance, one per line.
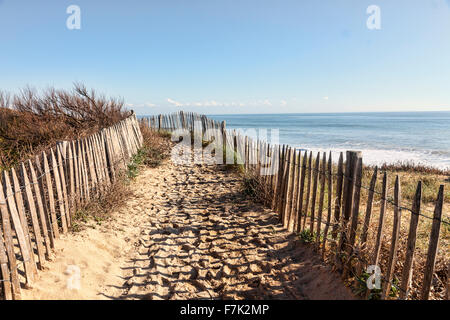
(187, 233)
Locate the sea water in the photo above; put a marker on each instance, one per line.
(383, 137)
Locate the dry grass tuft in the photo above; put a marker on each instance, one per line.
(156, 146)
(100, 209)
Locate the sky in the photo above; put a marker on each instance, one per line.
(234, 56)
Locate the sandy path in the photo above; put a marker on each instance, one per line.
(188, 233)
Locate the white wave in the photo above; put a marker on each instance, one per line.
(379, 157)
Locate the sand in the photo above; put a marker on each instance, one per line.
(186, 233)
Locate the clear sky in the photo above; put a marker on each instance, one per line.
(235, 56)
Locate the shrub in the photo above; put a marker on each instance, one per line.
(30, 121)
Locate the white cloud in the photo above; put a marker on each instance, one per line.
(149, 104)
(175, 103)
(216, 103)
(325, 98)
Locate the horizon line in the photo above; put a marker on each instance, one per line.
(287, 113)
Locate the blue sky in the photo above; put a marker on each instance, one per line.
(228, 56)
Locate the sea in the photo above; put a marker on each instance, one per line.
(382, 137)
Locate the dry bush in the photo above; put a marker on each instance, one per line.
(100, 209)
(30, 121)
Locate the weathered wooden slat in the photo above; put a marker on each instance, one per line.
(293, 194)
(34, 217)
(30, 272)
(354, 217)
(76, 174)
(338, 201)
(380, 230)
(297, 192)
(62, 176)
(23, 219)
(50, 196)
(98, 165)
(90, 164)
(104, 158)
(411, 244)
(274, 175)
(5, 278)
(44, 217)
(322, 173)
(84, 170)
(301, 194)
(278, 178)
(308, 190)
(287, 184)
(394, 240)
(289, 188)
(433, 245)
(72, 186)
(109, 156)
(314, 194)
(349, 183)
(281, 194)
(59, 193)
(369, 205)
(330, 204)
(362, 244)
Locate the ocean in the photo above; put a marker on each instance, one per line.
(383, 137)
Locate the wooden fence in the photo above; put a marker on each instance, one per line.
(39, 198)
(322, 201)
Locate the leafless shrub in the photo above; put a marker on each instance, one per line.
(32, 121)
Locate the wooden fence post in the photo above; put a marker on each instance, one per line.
(48, 239)
(433, 245)
(5, 275)
(18, 196)
(338, 201)
(330, 204)
(308, 190)
(301, 194)
(321, 199)
(223, 131)
(411, 244)
(30, 271)
(9, 245)
(314, 194)
(34, 218)
(59, 192)
(394, 240)
(376, 254)
(352, 159)
(355, 215)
